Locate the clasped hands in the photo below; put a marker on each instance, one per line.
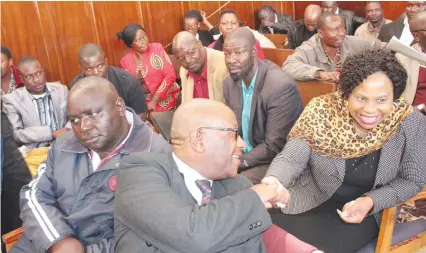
(272, 192)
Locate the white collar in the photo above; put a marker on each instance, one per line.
(405, 21)
(276, 18)
(337, 11)
(190, 176)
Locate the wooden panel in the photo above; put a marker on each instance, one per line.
(112, 17)
(244, 10)
(277, 56)
(311, 89)
(24, 36)
(75, 25)
(392, 9)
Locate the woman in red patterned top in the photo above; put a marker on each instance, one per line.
(152, 66)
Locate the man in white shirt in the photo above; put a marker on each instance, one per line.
(400, 28)
(193, 200)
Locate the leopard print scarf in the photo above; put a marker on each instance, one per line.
(326, 126)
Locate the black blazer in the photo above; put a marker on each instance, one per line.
(392, 29)
(298, 34)
(352, 21)
(206, 37)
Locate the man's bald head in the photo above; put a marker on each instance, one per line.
(198, 113)
(89, 50)
(329, 6)
(189, 52)
(204, 136)
(312, 15)
(242, 34)
(93, 84)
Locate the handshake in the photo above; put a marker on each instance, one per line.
(272, 192)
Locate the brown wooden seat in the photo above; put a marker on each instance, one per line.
(12, 237)
(277, 56)
(279, 40)
(386, 231)
(310, 89)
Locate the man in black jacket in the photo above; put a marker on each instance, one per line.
(304, 29)
(352, 21)
(273, 22)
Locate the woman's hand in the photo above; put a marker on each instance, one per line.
(283, 195)
(355, 211)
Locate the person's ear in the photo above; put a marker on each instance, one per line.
(254, 51)
(320, 33)
(106, 61)
(121, 106)
(416, 37)
(197, 141)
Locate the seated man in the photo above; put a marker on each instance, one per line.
(351, 21)
(68, 207)
(375, 21)
(192, 200)
(264, 98)
(37, 112)
(273, 22)
(322, 56)
(10, 79)
(203, 69)
(304, 29)
(400, 28)
(415, 91)
(93, 62)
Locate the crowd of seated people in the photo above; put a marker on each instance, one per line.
(247, 169)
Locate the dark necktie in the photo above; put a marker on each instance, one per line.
(205, 189)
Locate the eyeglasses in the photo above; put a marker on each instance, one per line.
(188, 54)
(225, 129)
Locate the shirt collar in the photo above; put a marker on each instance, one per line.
(276, 18)
(252, 83)
(372, 29)
(405, 21)
(337, 11)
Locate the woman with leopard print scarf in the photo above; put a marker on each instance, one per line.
(351, 154)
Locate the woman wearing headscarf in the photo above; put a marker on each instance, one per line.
(351, 154)
(229, 21)
(152, 66)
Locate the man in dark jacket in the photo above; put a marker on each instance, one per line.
(265, 100)
(68, 207)
(304, 29)
(273, 22)
(352, 21)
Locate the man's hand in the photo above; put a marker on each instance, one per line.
(333, 77)
(60, 132)
(283, 195)
(67, 245)
(266, 193)
(355, 211)
(267, 23)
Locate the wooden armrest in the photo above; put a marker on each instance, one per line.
(13, 236)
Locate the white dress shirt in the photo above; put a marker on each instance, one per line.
(96, 159)
(406, 36)
(190, 176)
(276, 21)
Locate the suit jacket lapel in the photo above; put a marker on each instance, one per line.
(28, 105)
(56, 103)
(261, 72)
(399, 26)
(237, 101)
(177, 183)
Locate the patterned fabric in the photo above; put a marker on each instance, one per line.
(206, 190)
(327, 127)
(156, 71)
(46, 113)
(14, 81)
(336, 62)
(412, 211)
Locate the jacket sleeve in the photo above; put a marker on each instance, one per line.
(282, 112)
(135, 95)
(23, 134)
(284, 23)
(297, 65)
(169, 75)
(43, 221)
(215, 33)
(288, 165)
(411, 177)
(149, 207)
(291, 38)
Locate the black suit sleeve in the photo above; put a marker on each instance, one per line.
(291, 37)
(135, 96)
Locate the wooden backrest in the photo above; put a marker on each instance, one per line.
(277, 56)
(176, 65)
(310, 89)
(12, 237)
(279, 40)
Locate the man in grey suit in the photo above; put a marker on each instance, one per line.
(273, 22)
(192, 200)
(400, 28)
(265, 100)
(352, 21)
(37, 112)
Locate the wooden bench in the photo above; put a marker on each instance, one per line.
(310, 89)
(12, 237)
(279, 40)
(277, 56)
